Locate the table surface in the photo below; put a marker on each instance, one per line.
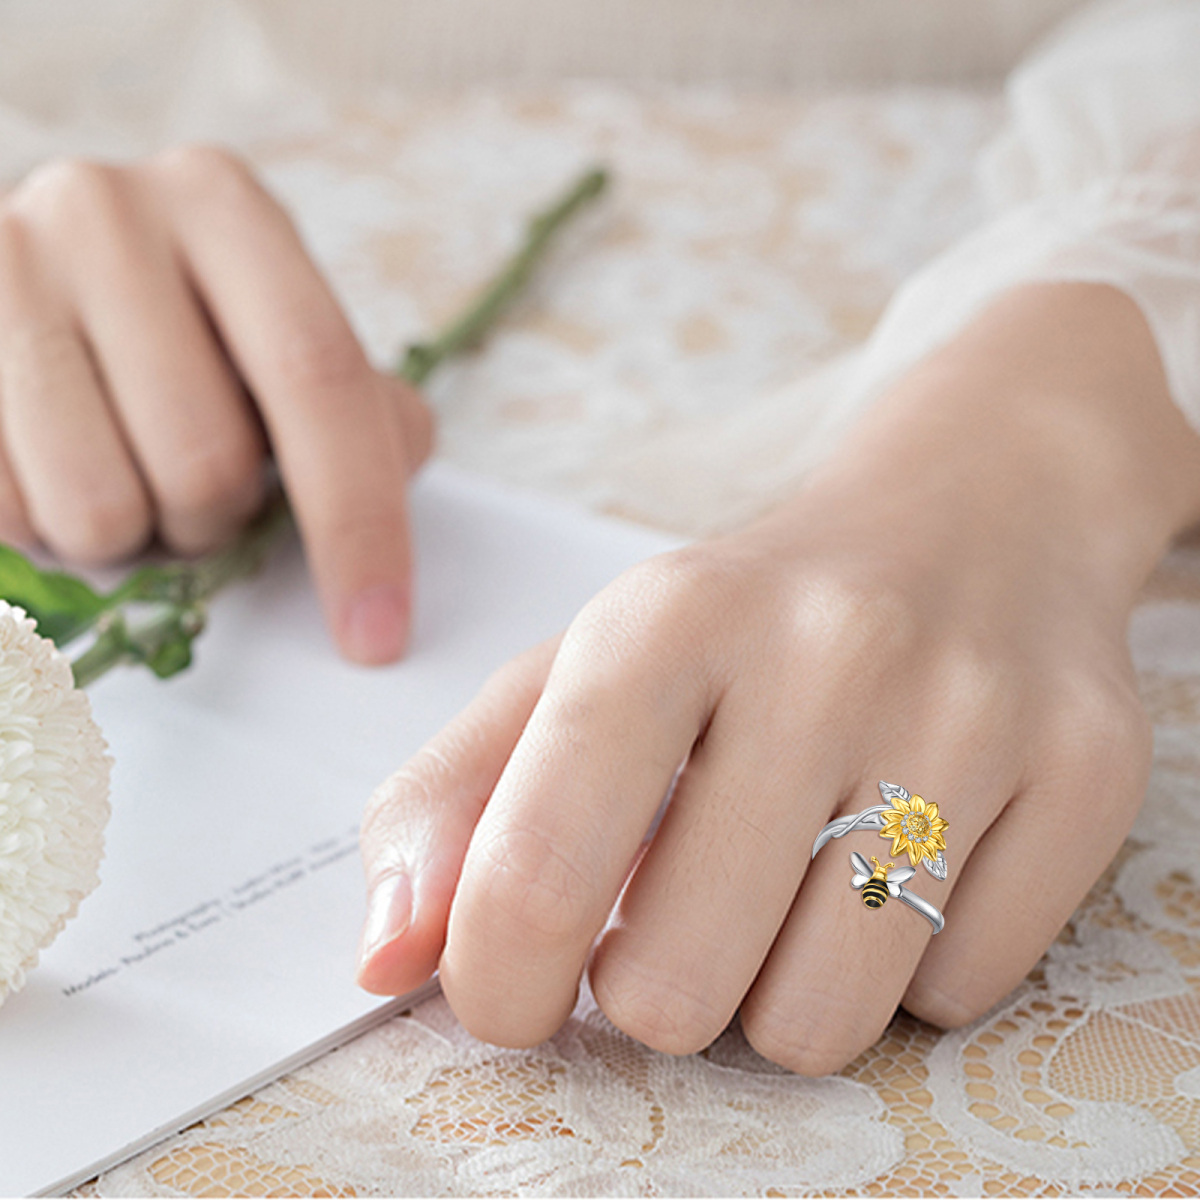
(749, 241)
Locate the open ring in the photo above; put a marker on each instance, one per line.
(913, 826)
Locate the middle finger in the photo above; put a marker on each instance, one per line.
(708, 898)
(198, 444)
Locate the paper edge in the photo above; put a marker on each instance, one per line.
(240, 1091)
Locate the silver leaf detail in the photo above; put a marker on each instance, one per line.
(936, 866)
(893, 791)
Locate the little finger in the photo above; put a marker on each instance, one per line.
(1036, 863)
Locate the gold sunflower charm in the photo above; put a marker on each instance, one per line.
(913, 826)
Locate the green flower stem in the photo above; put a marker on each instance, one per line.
(118, 644)
(174, 595)
(107, 651)
(466, 331)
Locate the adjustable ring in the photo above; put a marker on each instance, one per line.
(913, 826)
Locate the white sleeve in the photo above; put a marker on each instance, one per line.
(1096, 177)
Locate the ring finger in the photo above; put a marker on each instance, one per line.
(838, 971)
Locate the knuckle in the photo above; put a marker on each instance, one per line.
(321, 358)
(946, 1008)
(486, 1020)
(110, 524)
(854, 620)
(514, 674)
(74, 193)
(414, 785)
(533, 886)
(215, 478)
(40, 354)
(811, 1039)
(206, 169)
(779, 1044)
(976, 689)
(657, 1011)
(661, 589)
(653, 612)
(420, 784)
(1101, 739)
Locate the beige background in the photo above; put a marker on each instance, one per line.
(771, 197)
(432, 44)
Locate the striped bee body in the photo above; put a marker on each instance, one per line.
(875, 885)
(874, 891)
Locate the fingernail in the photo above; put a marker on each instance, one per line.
(389, 913)
(375, 625)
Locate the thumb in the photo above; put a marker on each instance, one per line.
(419, 823)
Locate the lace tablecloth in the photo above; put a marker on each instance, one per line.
(750, 240)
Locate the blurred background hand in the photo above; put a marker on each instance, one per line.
(164, 335)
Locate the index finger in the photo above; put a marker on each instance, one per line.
(334, 423)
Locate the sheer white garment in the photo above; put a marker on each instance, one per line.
(1096, 177)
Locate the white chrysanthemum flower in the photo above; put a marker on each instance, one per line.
(54, 774)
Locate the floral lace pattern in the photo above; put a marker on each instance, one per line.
(750, 241)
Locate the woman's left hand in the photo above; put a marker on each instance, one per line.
(943, 608)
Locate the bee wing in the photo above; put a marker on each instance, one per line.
(857, 882)
(901, 874)
(889, 792)
(860, 864)
(936, 866)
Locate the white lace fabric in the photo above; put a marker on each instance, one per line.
(686, 355)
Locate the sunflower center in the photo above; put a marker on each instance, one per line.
(916, 827)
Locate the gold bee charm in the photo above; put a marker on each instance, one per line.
(875, 885)
(874, 891)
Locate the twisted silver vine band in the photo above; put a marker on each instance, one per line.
(914, 827)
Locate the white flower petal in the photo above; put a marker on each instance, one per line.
(54, 776)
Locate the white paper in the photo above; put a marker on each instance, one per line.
(218, 951)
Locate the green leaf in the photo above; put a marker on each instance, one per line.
(63, 605)
(171, 657)
(165, 645)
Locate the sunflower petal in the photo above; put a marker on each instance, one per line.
(918, 804)
(931, 811)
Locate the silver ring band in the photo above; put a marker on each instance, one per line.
(914, 827)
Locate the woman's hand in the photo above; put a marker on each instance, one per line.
(162, 329)
(943, 606)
